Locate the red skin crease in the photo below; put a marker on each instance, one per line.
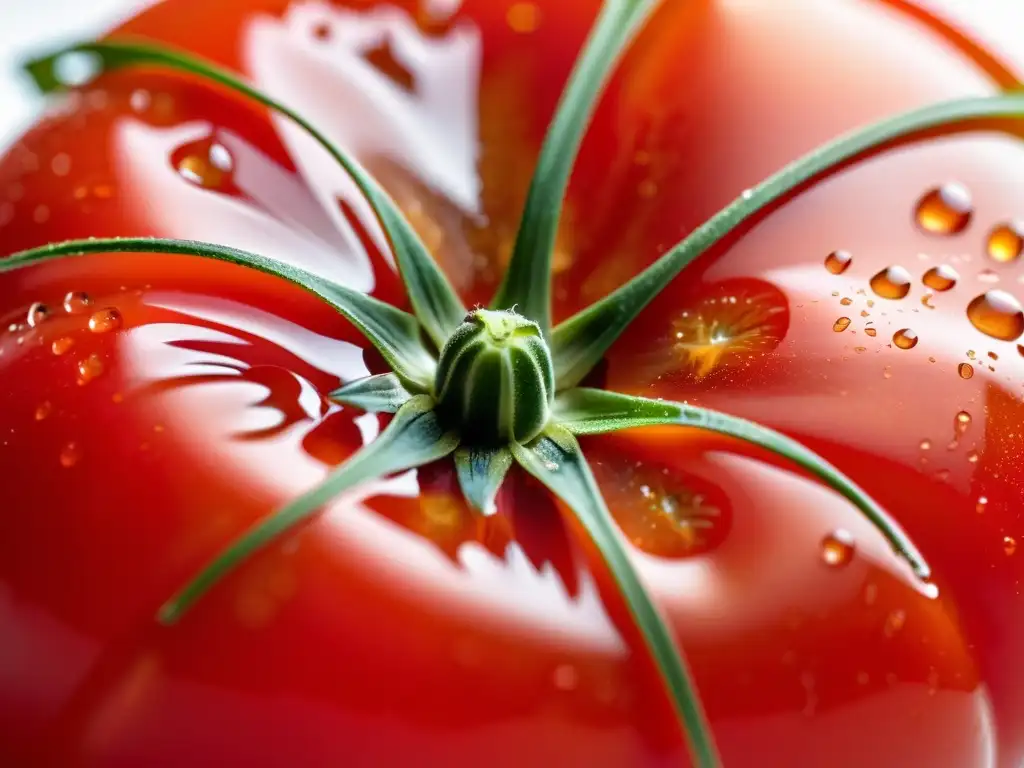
(397, 628)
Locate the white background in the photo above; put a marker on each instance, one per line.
(31, 26)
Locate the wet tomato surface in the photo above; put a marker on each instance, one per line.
(154, 407)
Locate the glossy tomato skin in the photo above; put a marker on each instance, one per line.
(398, 627)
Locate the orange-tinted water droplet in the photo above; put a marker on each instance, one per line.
(37, 314)
(846, 302)
(205, 163)
(926, 300)
(62, 345)
(982, 504)
(841, 324)
(973, 457)
(44, 410)
(966, 370)
(905, 338)
(961, 422)
(1006, 242)
(838, 262)
(105, 320)
(945, 210)
(523, 17)
(940, 278)
(76, 301)
(1009, 545)
(89, 368)
(871, 332)
(891, 283)
(69, 455)
(997, 314)
(838, 548)
(894, 622)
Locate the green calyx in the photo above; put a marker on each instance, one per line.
(495, 382)
(504, 388)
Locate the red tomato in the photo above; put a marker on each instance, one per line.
(143, 430)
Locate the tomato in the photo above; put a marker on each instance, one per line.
(147, 426)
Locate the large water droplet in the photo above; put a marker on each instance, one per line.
(997, 314)
(838, 262)
(891, 283)
(76, 301)
(945, 210)
(205, 163)
(841, 324)
(105, 320)
(966, 370)
(62, 345)
(940, 278)
(837, 549)
(89, 369)
(37, 314)
(1006, 242)
(905, 339)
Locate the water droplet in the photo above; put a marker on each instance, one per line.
(62, 345)
(846, 302)
(961, 422)
(982, 504)
(205, 163)
(973, 457)
(926, 300)
(746, 194)
(925, 445)
(966, 370)
(89, 368)
(905, 338)
(988, 276)
(76, 301)
(871, 332)
(37, 313)
(1006, 242)
(891, 283)
(838, 548)
(940, 278)
(70, 455)
(841, 324)
(894, 622)
(997, 314)
(945, 210)
(105, 320)
(838, 262)
(44, 410)
(1009, 545)
(523, 17)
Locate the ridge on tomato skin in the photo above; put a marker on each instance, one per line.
(814, 566)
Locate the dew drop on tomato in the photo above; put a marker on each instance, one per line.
(905, 338)
(997, 314)
(891, 283)
(1009, 545)
(76, 301)
(841, 324)
(945, 210)
(940, 278)
(1006, 242)
(838, 548)
(205, 163)
(838, 262)
(37, 314)
(69, 455)
(962, 421)
(89, 368)
(62, 345)
(44, 410)
(105, 320)
(966, 370)
(981, 505)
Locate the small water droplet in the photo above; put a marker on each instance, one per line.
(894, 622)
(105, 320)
(838, 262)
(926, 300)
(205, 163)
(891, 283)
(70, 455)
(846, 302)
(1006, 242)
(982, 504)
(940, 278)
(966, 370)
(945, 210)
(925, 445)
(841, 324)
(997, 314)
(961, 422)
(838, 548)
(45, 409)
(37, 313)
(1009, 545)
(89, 368)
(76, 301)
(905, 338)
(871, 332)
(973, 457)
(746, 194)
(62, 345)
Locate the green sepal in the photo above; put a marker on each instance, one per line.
(382, 393)
(594, 411)
(579, 343)
(481, 472)
(556, 460)
(395, 333)
(413, 438)
(432, 297)
(495, 380)
(527, 283)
